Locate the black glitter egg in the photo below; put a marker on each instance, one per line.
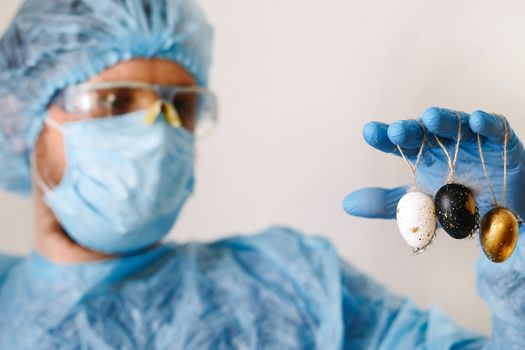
(457, 211)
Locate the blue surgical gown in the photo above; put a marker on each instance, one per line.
(277, 289)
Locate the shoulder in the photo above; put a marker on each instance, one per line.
(281, 239)
(7, 262)
(284, 245)
(284, 256)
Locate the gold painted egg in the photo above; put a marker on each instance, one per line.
(499, 234)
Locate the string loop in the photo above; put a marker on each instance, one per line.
(451, 162)
(505, 144)
(413, 168)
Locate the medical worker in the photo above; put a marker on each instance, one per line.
(101, 104)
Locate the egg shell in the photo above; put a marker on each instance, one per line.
(499, 234)
(416, 219)
(457, 211)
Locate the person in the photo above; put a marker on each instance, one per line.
(101, 104)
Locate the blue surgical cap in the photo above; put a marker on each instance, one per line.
(52, 44)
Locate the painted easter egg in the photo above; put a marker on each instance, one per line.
(457, 211)
(416, 219)
(499, 234)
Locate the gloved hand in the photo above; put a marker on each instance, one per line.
(433, 169)
(502, 285)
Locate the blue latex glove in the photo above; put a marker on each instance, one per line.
(433, 169)
(502, 286)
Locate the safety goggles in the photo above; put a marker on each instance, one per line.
(192, 107)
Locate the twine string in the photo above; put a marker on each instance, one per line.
(413, 168)
(505, 144)
(451, 162)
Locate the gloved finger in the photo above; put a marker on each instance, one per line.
(444, 123)
(406, 133)
(376, 135)
(374, 202)
(490, 125)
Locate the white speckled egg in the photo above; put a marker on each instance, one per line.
(416, 219)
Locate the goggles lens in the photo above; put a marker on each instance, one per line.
(196, 106)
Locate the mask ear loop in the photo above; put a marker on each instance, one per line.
(413, 168)
(451, 162)
(37, 177)
(505, 144)
(53, 123)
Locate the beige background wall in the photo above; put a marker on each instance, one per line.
(297, 80)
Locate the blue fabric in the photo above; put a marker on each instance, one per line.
(125, 181)
(53, 44)
(502, 287)
(6, 263)
(274, 290)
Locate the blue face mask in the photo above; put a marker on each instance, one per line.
(125, 181)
